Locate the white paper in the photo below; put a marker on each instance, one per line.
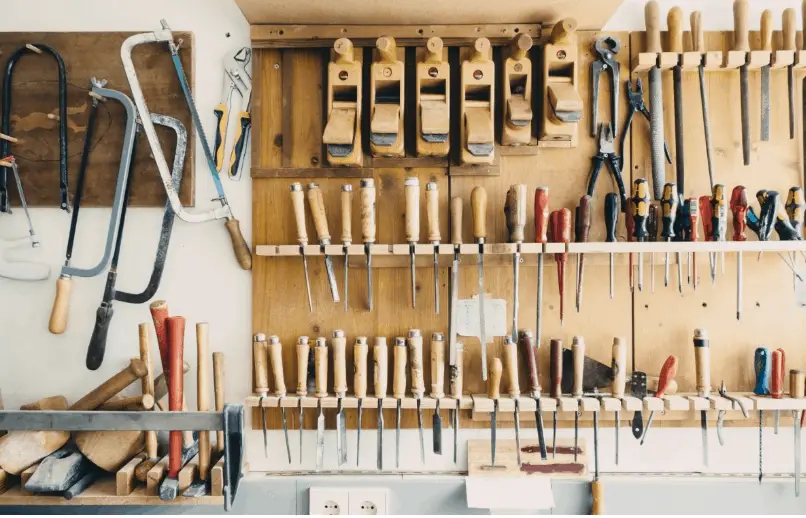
(495, 318)
(509, 493)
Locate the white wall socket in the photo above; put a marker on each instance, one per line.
(348, 501)
(368, 501)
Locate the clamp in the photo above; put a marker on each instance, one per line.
(720, 420)
(606, 48)
(237, 79)
(607, 153)
(636, 99)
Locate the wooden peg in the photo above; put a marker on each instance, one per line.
(380, 358)
(517, 83)
(9, 138)
(437, 365)
(261, 364)
(343, 50)
(434, 47)
(33, 48)
(564, 32)
(477, 104)
(342, 133)
(387, 95)
(558, 126)
(433, 99)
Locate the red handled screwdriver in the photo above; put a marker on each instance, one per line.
(738, 206)
(560, 222)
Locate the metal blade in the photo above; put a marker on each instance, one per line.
(648, 426)
(358, 433)
(745, 102)
(720, 425)
(656, 131)
(493, 432)
(455, 414)
(576, 434)
(482, 324)
(765, 103)
(265, 434)
(341, 435)
(554, 437)
(436, 425)
(369, 278)
(777, 421)
(301, 421)
(285, 432)
(704, 426)
(540, 435)
(539, 327)
(706, 119)
(518, 432)
(679, 127)
(791, 85)
(307, 280)
(413, 278)
(436, 278)
(516, 263)
(320, 438)
(331, 279)
(420, 429)
(596, 446)
(346, 280)
(397, 436)
(380, 435)
(454, 299)
(618, 425)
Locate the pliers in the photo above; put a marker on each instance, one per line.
(720, 420)
(636, 99)
(606, 48)
(607, 153)
(236, 80)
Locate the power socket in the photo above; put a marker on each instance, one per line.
(368, 501)
(328, 501)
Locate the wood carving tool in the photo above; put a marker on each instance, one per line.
(611, 211)
(578, 350)
(797, 385)
(298, 201)
(675, 34)
(261, 363)
(415, 340)
(5, 145)
(380, 356)
(303, 351)
(339, 345)
(653, 45)
(720, 419)
(766, 45)
(515, 212)
(738, 206)
(794, 209)
(555, 372)
(387, 96)
(560, 221)
(669, 204)
(652, 229)
(698, 45)
(237, 80)
(346, 233)
(320, 223)
(619, 364)
(175, 340)
(741, 43)
(606, 49)
(320, 358)
(583, 225)
(275, 353)
(777, 371)
(511, 359)
(789, 26)
(478, 203)
(456, 382)
(399, 388)
(360, 351)
(761, 364)
(702, 357)
(541, 236)
(432, 210)
(437, 387)
(494, 390)
(456, 241)
(412, 193)
(368, 229)
(719, 221)
(528, 349)
(241, 249)
(667, 374)
(640, 210)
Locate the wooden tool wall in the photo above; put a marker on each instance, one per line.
(655, 325)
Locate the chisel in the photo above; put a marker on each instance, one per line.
(494, 390)
(515, 212)
(437, 387)
(619, 363)
(761, 365)
(360, 351)
(276, 357)
(380, 355)
(261, 359)
(298, 201)
(790, 32)
(320, 361)
(738, 206)
(797, 385)
(478, 204)
(415, 340)
(303, 350)
(320, 223)
(777, 370)
(541, 236)
(766, 45)
(698, 45)
(653, 45)
(741, 43)
(611, 211)
(368, 229)
(456, 240)
(560, 222)
(346, 232)
(412, 193)
(511, 359)
(667, 374)
(339, 345)
(456, 393)
(640, 211)
(399, 388)
(432, 213)
(582, 228)
(529, 351)
(578, 350)
(556, 374)
(675, 34)
(702, 357)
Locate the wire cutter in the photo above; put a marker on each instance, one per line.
(607, 153)
(237, 80)
(606, 48)
(720, 421)
(636, 99)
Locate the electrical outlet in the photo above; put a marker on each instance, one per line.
(368, 501)
(328, 501)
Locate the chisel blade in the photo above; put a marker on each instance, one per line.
(454, 301)
(765, 103)
(397, 436)
(358, 433)
(331, 279)
(346, 280)
(307, 280)
(539, 326)
(420, 430)
(369, 276)
(265, 433)
(517, 432)
(791, 87)
(320, 438)
(744, 84)
(301, 421)
(493, 432)
(341, 430)
(285, 432)
(704, 427)
(455, 415)
(482, 323)
(380, 435)
(540, 432)
(436, 426)
(436, 279)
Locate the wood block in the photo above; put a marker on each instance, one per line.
(217, 478)
(563, 466)
(653, 404)
(611, 404)
(155, 476)
(699, 403)
(676, 403)
(632, 404)
(188, 473)
(48, 403)
(568, 404)
(124, 478)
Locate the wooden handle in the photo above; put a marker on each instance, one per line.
(697, 37)
(260, 357)
(399, 373)
(218, 393)
(368, 229)
(578, 351)
(797, 384)
(139, 403)
(387, 48)
(803, 17)
(380, 357)
(652, 19)
(667, 374)
(298, 201)
(437, 365)
(777, 367)
(529, 352)
(766, 30)
(317, 204)
(478, 205)
(159, 313)
(519, 46)
(175, 336)
(161, 385)
(482, 50)
(433, 48)
(790, 30)
(339, 345)
(416, 363)
(111, 387)
(619, 365)
(412, 193)
(432, 211)
(541, 215)
(242, 252)
(151, 443)
(347, 213)
(49, 403)
(343, 48)
(494, 383)
(456, 220)
(515, 211)
(276, 357)
(457, 372)
(61, 306)
(564, 32)
(597, 493)
(203, 393)
(675, 22)
(511, 359)
(320, 365)
(360, 350)
(556, 367)
(740, 28)
(303, 350)
(702, 358)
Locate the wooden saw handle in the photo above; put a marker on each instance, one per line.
(111, 387)
(175, 334)
(239, 245)
(416, 363)
(619, 365)
(203, 393)
(317, 204)
(360, 350)
(61, 306)
(218, 392)
(147, 388)
(432, 211)
(675, 22)
(511, 359)
(261, 364)
(399, 373)
(437, 365)
(275, 349)
(411, 190)
(320, 365)
(380, 356)
(339, 345)
(303, 350)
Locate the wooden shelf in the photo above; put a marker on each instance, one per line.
(717, 61)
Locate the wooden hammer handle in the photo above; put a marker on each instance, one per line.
(151, 443)
(111, 387)
(159, 313)
(203, 393)
(175, 335)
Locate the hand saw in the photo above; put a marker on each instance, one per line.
(236, 93)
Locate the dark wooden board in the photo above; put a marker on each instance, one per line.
(35, 95)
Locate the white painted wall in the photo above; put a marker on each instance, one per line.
(203, 283)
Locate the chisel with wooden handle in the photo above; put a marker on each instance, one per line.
(275, 352)
(317, 204)
(260, 353)
(415, 339)
(303, 350)
(437, 387)
(456, 241)
(515, 212)
(619, 364)
(346, 233)
(777, 370)
(360, 351)
(175, 341)
(368, 228)
(380, 358)
(399, 388)
(456, 382)
(514, 390)
(478, 204)
(529, 350)
(339, 344)
(298, 201)
(411, 190)
(432, 212)
(320, 360)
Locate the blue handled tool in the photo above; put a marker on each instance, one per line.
(761, 363)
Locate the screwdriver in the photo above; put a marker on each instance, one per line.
(693, 216)
(541, 236)
(432, 212)
(669, 203)
(320, 223)
(704, 204)
(478, 205)
(761, 364)
(560, 221)
(368, 228)
(738, 206)
(702, 357)
(456, 241)
(652, 228)
(777, 370)
(556, 374)
(719, 219)
(511, 359)
(529, 351)
(298, 201)
(346, 231)
(640, 211)
(667, 374)
(794, 209)
(515, 212)
(611, 210)
(412, 193)
(582, 227)
(578, 351)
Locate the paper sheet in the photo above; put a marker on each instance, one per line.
(495, 317)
